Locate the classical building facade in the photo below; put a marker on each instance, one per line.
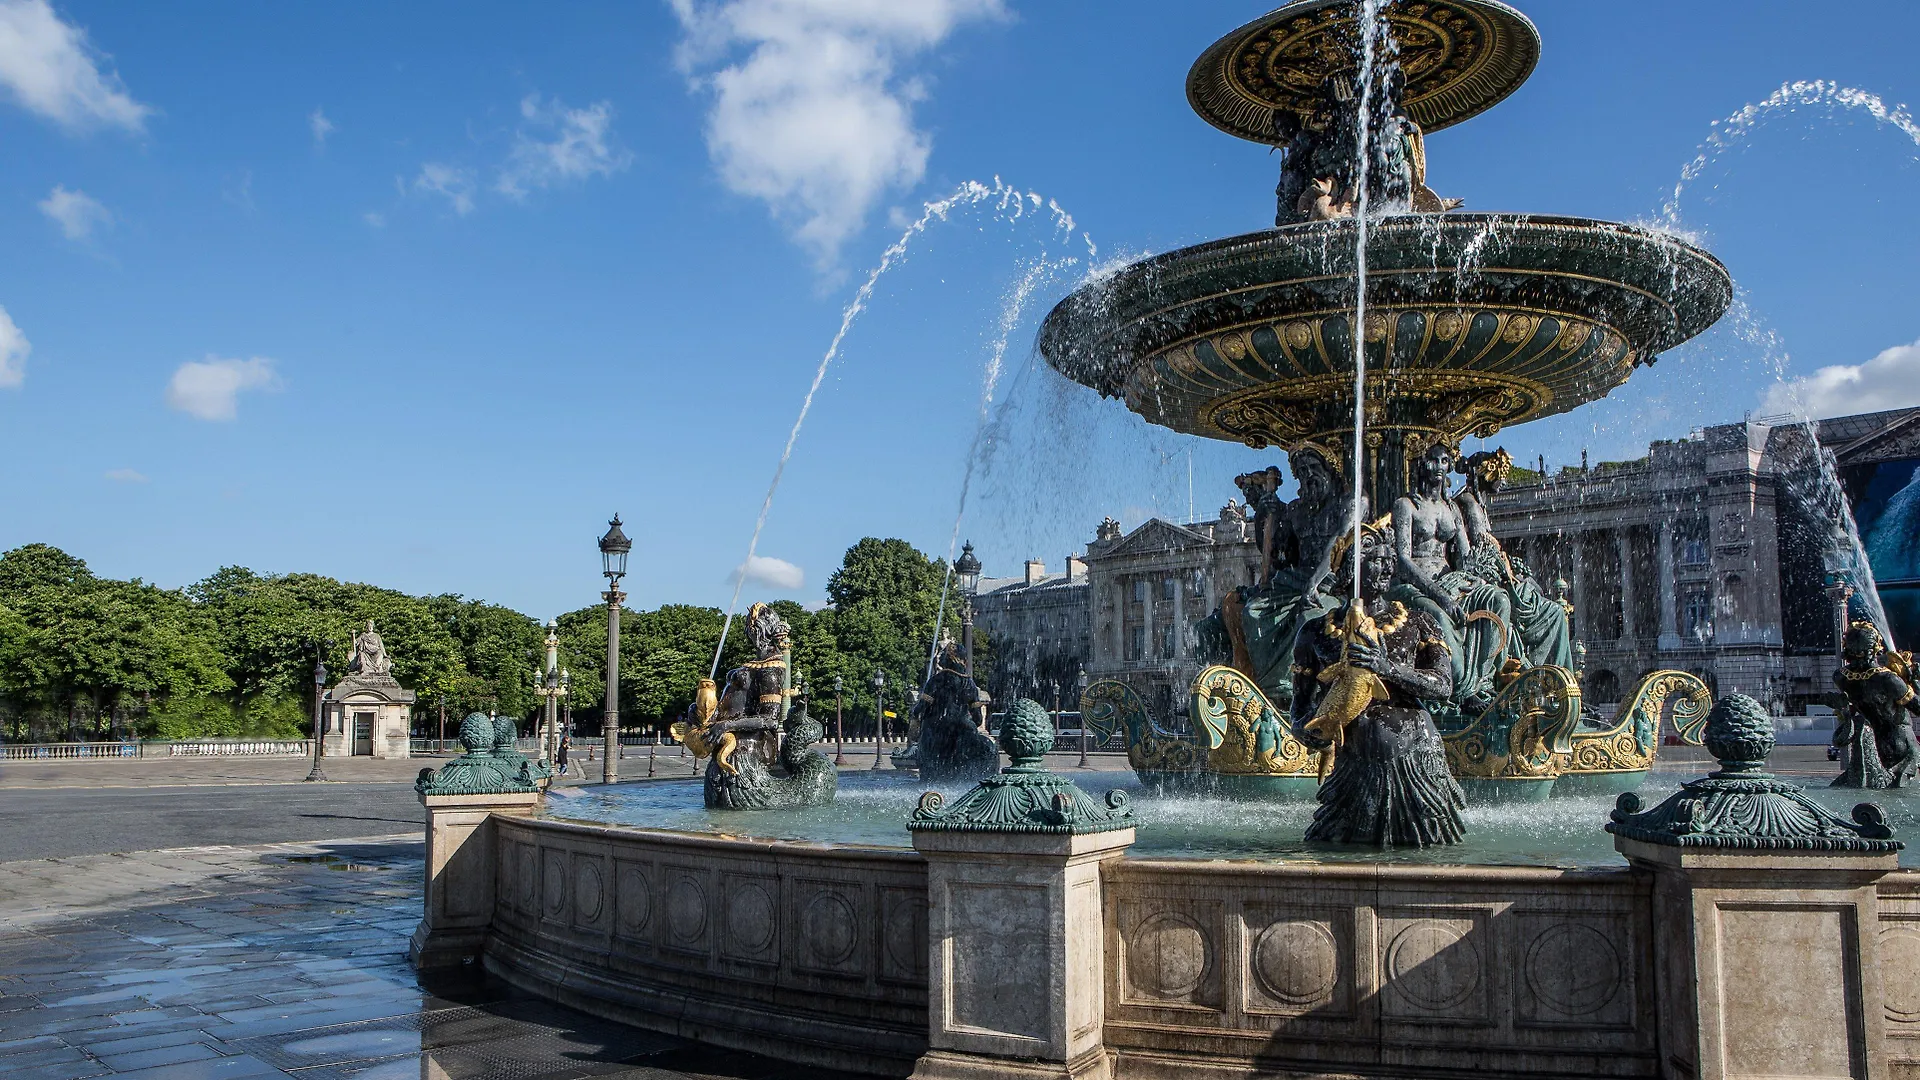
(1710, 554)
(1149, 586)
(1040, 628)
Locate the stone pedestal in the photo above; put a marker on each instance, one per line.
(1767, 963)
(1766, 917)
(369, 715)
(1015, 937)
(1015, 961)
(461, 875)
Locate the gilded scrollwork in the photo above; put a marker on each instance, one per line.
(1112, 710)
(1630, 741)
(1246, 735)
(1524, 733)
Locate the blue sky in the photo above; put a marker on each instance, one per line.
(419, 294)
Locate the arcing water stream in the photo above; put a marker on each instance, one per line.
(1008, 204)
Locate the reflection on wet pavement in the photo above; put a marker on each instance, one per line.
(281, 960)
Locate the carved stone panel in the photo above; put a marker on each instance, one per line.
(903, 935)
(688, 917)
(1575, 971)
(1900, 975)
(1435, 966)
(1299, 960)
(1170, 950)
(633, 900)
(751, 918)
(553, 884)
(829, 923)
(589, 891)
(1792, 970)
(995, 931)
(526, 883)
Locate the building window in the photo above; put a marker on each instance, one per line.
(1139, 590)
(1136, 642)
(1166, 642)
(1697, 614)
(1199, 583)
(1168, 587)
(1693, 553)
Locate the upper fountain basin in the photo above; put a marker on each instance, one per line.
(1474, 322)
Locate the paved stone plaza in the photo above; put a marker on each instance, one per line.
(277, 960)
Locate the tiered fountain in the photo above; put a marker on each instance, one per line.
(1472, 323)
(1034, 931)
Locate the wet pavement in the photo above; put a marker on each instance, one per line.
(273, 961)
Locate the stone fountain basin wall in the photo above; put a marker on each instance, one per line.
(799, 951)
(1212, 969)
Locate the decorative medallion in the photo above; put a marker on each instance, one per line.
(1168, 955)
(1296, 962)
(1574, 969)
(1459, 58)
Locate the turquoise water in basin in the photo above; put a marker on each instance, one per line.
(872, 809)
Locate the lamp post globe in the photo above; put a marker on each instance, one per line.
(614, 547)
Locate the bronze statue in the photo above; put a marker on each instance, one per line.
(742, 728)
(1438, 575)
(1540, 623)
(1876, 728)
(950, 748)
(1360, 677)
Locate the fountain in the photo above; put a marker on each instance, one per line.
(1471, 323)
(1024, 927)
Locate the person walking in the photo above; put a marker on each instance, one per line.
(560, 757)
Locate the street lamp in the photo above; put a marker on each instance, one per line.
(613, 563)
(839, 728)
(549, 686)
(966, 571)
(316, 775)
(1083, 681)
(879, 714)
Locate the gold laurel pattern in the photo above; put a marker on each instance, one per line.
(1512, 739)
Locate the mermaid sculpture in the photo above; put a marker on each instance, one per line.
(1876, 730)
(1360, 677)
(949, 748)
(759, 723)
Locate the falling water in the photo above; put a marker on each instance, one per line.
(1011, 310)
(1789, 97)
(1009, 204)
(1370, 36)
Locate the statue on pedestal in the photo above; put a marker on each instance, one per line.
(1876, 727)
(757, 724)
(369, 654)
(1361, 677)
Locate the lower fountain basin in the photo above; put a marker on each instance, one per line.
(871, 811)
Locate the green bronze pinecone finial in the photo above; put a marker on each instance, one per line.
(1025, 798)
(491, 766)
(1742, 806)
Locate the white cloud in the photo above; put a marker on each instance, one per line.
(771, 572)
(14, 348)
(454, 184)
(321, 127)
(375, 219)
(76, 212)
(1890, 380)
(557, 144)
(810, 113)
(50, 69)
(210, 389)
(126, 476)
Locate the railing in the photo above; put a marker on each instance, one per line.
(154, 748)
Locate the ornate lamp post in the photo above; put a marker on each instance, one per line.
(316, 775)
(551, 687)
(1082, 682)
(613, 563)
(966, 572)
(879, 715)
(839, 728)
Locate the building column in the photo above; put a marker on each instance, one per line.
(1666, 588)
(1582, 614)
(1146, 615)
(1623, 541)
